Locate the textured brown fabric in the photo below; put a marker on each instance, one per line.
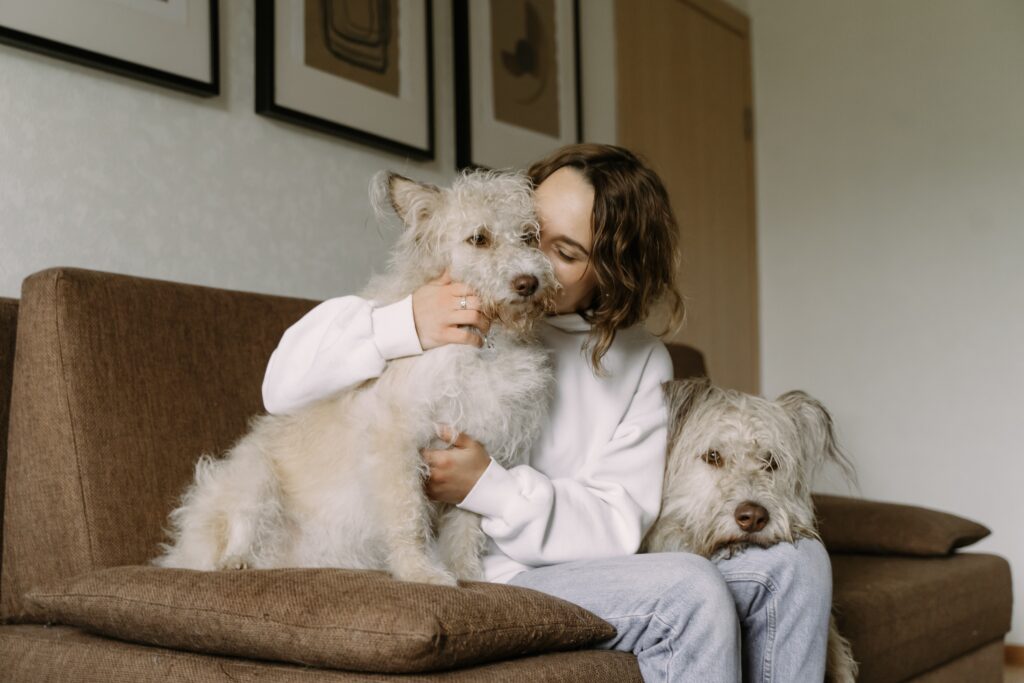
(687, 361)
(333, 618)
(62, 654)
(906, 615)
(853, 525)
(8, 325)
(984, 665)
(120, 383)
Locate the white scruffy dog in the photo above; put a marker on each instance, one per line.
(340, 483)
(739, 473)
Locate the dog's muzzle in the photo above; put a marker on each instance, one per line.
(751, 517)
(525, 285)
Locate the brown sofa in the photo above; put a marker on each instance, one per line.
(120, 382)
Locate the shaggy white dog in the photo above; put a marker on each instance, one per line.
(340, 483)
(739, 473)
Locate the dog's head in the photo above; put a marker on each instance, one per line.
(483, 229)
(740, 467)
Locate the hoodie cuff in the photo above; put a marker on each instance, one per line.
(394, 330)
(492, 491)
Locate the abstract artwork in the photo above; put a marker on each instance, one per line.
(517, 80)
(358, 69)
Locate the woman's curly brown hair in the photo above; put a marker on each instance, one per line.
(634, 254)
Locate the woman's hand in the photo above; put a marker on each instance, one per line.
(454, 471)
(437, 312)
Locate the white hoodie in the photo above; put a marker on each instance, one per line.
(592, 487)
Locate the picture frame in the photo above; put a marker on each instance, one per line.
(169, 43)
(356, 69)
(517, 80)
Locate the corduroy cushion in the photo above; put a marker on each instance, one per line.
(905, 615)
(64, 654)
(335, 618)
(851, 525)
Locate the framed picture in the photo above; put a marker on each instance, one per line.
(358, 69)
(172, 43)
(517, 93)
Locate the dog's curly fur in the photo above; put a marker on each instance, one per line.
(731, 454)
(340, 482)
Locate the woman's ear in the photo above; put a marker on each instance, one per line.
(681, 396)
(414, 203)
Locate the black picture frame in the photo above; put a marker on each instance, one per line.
(464, 132)
(267, 105)
(121, 67)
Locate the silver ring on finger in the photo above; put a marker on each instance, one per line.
(463, 303)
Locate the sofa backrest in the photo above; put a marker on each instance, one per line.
(119, 384)
(687, 361)
(8, 325)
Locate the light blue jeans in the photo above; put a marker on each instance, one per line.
(760, 616)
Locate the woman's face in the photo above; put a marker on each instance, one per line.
(565, 207)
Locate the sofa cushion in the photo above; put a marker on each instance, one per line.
(905, 615)
(63, 654)
(121, 383)
(853, 525)
(346, 619)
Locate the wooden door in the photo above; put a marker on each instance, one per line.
(684, 102)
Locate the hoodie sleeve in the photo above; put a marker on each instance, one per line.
(602, 511)
(338, 344)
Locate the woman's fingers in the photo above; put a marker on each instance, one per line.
(460, 335)
(443, 308)
(472, 302)
(448, 435)
(473, 319)
(444, 278)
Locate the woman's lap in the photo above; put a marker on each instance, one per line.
(779, 596)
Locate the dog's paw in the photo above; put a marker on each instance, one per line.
(431, 576)
(236, 562)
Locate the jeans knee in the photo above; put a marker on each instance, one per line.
(803, 570)
(699, 581)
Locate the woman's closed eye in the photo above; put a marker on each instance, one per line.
(565, 256)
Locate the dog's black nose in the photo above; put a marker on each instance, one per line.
(751, 517)
(525, 285)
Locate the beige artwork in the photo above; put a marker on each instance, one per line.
(354, 39)
(523, 64)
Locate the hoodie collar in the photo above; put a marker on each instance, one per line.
(568, 322)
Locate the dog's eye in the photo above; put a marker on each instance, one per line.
(479, 240)
(770, 463)
(713, 458)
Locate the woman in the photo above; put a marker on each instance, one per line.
(570, 522)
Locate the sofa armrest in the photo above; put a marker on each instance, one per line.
(854, 525)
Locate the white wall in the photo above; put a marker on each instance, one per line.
(890, 173)
(103, 172)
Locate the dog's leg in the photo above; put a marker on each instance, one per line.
(666, 536)
(197, 527)
(251, 507)
(404, 509)
(461, 543)
(840, 666)
(230, 518)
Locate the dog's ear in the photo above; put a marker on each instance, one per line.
(411, 201)
(816, 431)
(681, 395)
